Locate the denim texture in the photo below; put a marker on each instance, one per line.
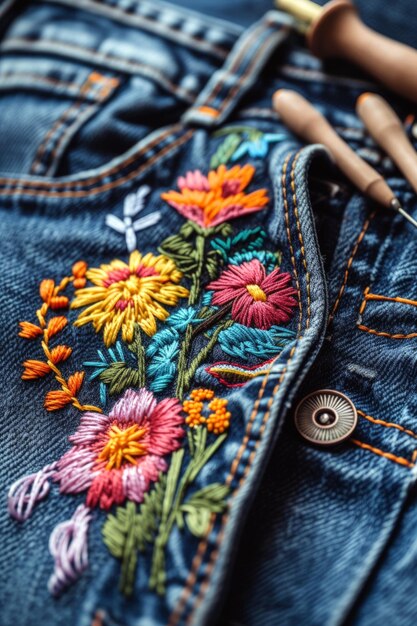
(99, 98)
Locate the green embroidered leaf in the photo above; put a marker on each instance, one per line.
(127, 531)
(138, 350)
(212, 264)
(119, 537)
(200, 506)
(225, 150)
(182, 252)
(119, 376)
(198, 521)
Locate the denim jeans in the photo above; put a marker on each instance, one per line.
(182, 271)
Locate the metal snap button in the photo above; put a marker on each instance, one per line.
(325, 417)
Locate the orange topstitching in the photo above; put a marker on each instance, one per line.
(197, 561)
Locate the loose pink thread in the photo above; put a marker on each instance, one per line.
(68, 546)
(27, 491)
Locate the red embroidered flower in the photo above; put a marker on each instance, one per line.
(117, 456)
(258, 299)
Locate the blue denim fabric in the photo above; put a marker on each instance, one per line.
(99, 98)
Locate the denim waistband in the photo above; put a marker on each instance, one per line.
(225, 60)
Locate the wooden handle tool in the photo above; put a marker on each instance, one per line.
(304, 120)
(336, 30)
(385, 127)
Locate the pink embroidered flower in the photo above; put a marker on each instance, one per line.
(116, 457)
(257, 298)
(218, 197)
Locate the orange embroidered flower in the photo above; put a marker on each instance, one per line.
(35, 369)
(46, 289)
(218, 197)
(79, 270)
(29, 331)
(219, 419)
(127, 294)
(58, 398)
(60, 353)
(55, 325)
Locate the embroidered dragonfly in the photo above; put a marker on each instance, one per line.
(134, 203)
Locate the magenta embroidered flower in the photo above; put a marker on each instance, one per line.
(257, 298)
(117, 456)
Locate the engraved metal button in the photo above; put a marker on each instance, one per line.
(325, 417)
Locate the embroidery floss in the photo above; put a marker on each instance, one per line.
(51, 295)
(25, 492)
(134, 203)
(218, 197)
(124, 295)
(68, 546)
(117, 456)
(259, 299)
(241, 141)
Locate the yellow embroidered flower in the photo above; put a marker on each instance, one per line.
(127, 294)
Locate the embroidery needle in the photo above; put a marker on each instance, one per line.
(385, 127)
(336, 31)
(304, 120)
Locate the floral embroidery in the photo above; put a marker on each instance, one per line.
(143, 458)
(235, 375)
(257, 298)
(218, 197)
(170, 505)
(134, 203)
(242, 141)
(117, 456)
(127, 294)
(53, 299)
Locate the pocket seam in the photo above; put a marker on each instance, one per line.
(367, 296)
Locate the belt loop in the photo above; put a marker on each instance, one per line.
(240, 71)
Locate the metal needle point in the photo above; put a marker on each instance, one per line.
(395, 204)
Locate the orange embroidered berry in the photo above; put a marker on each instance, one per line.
(219, 420)
(35, 369)
(55, 400)
(60, 353)
(79, 283)
(56, 324)
(194, 410)
(46, 289)
(75, 381)
(79, 269)
(59, 302)
(29, 331)
(202, 394)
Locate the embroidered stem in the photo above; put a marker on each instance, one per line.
(157, 577)
(237, 129)
(203, 355)
(210, 321)
(136, 347)
(63, 382)
(129, 556)
(174, 499)
(200, 244)
(53, 299)
(182, 361)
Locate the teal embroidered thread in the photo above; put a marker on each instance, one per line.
(240, 341)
